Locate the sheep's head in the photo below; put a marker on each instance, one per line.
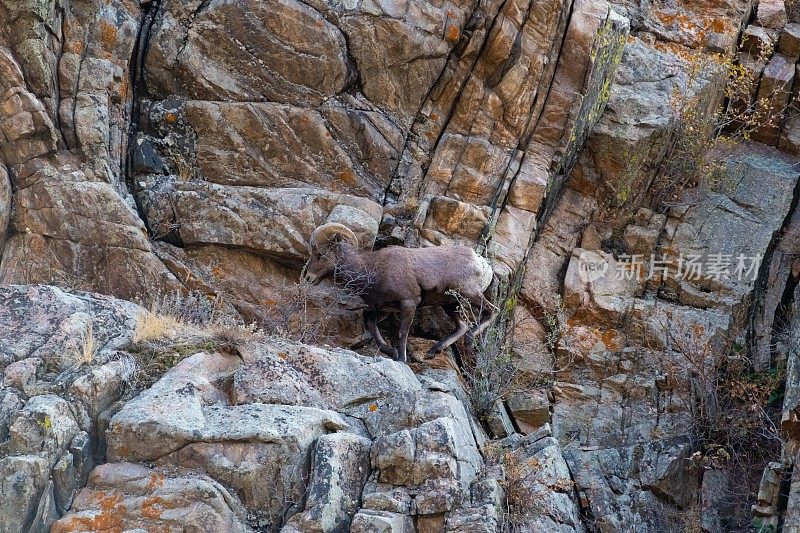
(326, 245)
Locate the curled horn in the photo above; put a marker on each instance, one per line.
(326, 231)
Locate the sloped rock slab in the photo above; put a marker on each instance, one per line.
(125, 496)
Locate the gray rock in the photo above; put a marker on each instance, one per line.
(499, 421)
(23, 480)
(715, 504)
(44, 426)
(71, 471)
(102, 385)
(22, 374)
(206, 52)
(273, 221)
(386, 497)
(772, 14)
(10, 404)
(340, 466)
(370, 521)
(758, 40)
(774, 91)
(789, 42)
(186, 420)
(530, 409)
(292, 373)
(47, 512)
(51, 324)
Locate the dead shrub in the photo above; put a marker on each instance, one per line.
(706, 127)
(488, 366)
(734, 410)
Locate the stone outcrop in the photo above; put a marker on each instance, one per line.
(285, 435)
(62, 368)
(65, 114)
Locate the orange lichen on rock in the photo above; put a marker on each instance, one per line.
(123, 90)
(107, 519)
(156, 480)
(453, 33)
(717, 25)
(108, 35)
(347, 177)
(76, 47)
(153, 506)
(612, 339)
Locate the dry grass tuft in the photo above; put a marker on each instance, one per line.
(85, 355)
(177, 326)
(150, 326)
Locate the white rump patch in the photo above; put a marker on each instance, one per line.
(485, 271)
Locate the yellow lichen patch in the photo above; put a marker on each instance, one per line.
(373, 407)
(170, 118)
(46, 423)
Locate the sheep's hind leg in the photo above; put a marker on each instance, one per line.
(461, 329)
(383, 346)
(407, 310)
(487, 313)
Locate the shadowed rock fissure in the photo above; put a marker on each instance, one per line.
(138, 88)
(778, 319)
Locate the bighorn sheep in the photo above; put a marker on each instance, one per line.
(397, 278)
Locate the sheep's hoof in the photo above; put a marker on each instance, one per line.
(430, 354)
(390, 351)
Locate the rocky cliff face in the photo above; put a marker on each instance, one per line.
(166, 146)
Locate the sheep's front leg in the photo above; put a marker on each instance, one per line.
(407, 310)
(372, 324)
